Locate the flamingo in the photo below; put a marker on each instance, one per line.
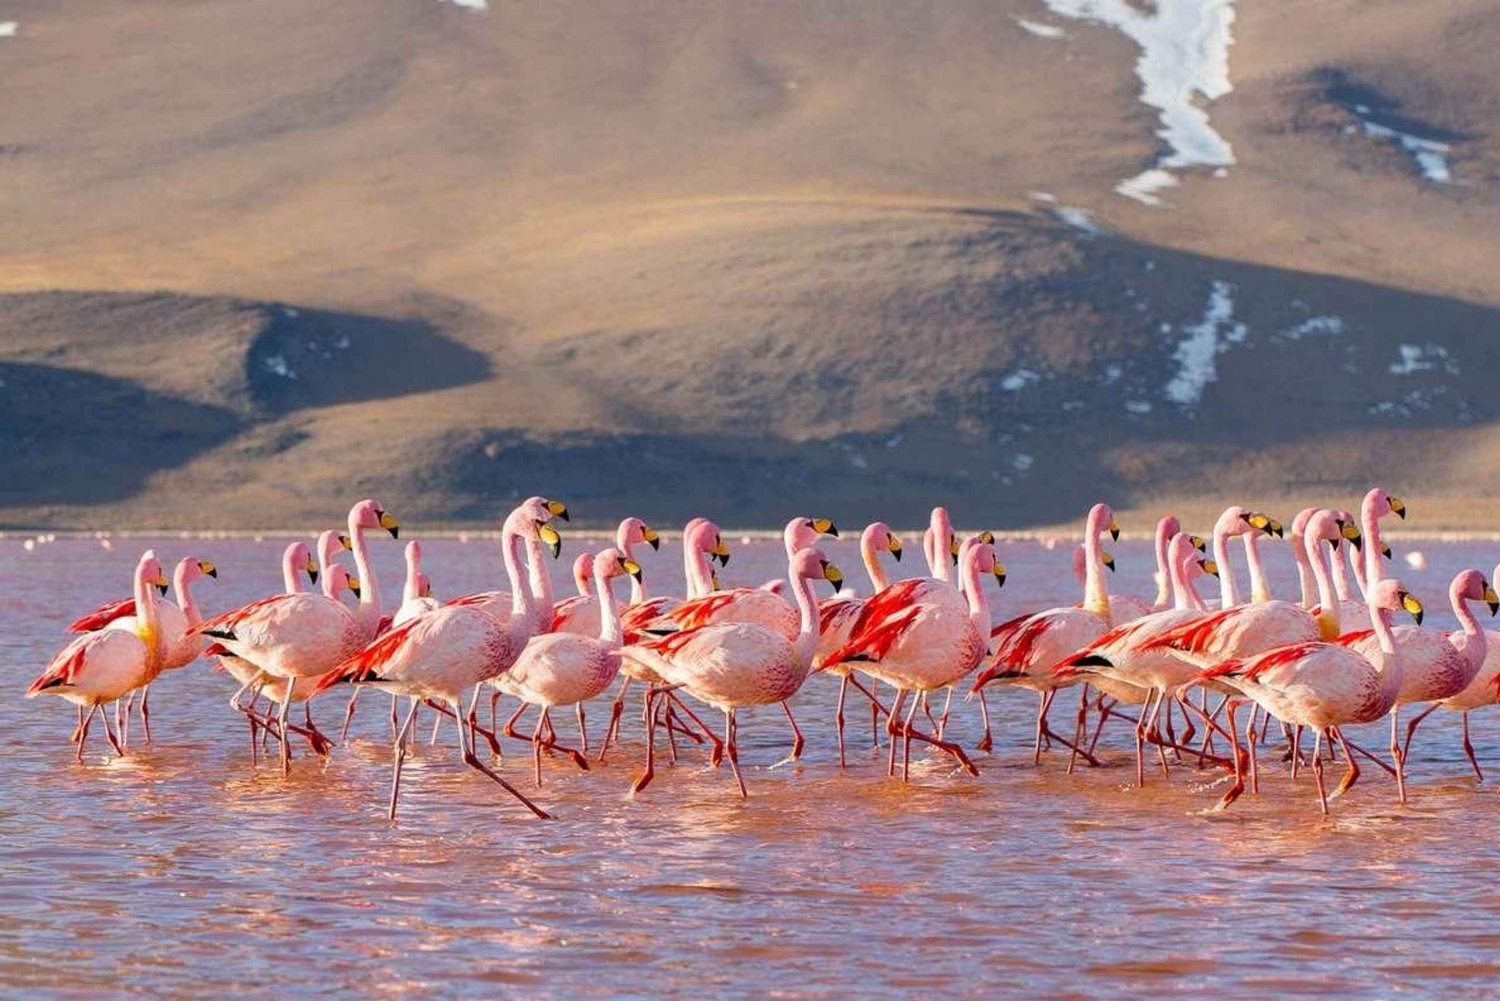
(750, 604)
(923, 646)
(1484, 690)
(106, 664)
(179, 647)
(1028, 646)
(580, 613)
(731, 665)
(564, 668)
(500, 604)
(1433, 667)
(837, 615)
(289, 636)
(1324, 685)
(444, 653)
(1120, 654)
(336, 580)
(701, 544)
(416, 594)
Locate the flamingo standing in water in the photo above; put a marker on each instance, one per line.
(179, 647)
(443, 654)
(580, 613)
(1028, 647)
(1326, 686)
(924, 646)
(1120, 654)
(731, 665)
(290, 636)
(564, 668)
(107, 664)
(1484, 690)
(837, 615)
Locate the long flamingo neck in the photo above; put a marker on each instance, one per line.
(807, 610)
(1228, 594)
(521, 598)
(1357, 564)
(979, 608)
(412, 589)
(942, 542)
(1474, 649)
(1095, 591)
(369, 588)
(609, 615)
(1259, 589)
(1374, 565)
(184, 592)
(291, 578)
(1341, 574)
(149, 624)
(637, 588)
(1305, 582)
(1328, 606)
(695, 568)
(1184, 595)
(1380, 619)
(1166, 581)
(878, 579)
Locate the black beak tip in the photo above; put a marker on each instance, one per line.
(655, 543)
(214, 573)
(897, 554)
(396, 532)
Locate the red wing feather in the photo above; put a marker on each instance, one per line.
(103, 615)
(363, 664)
(698, 612)
(874, 643)
(1349, 639)
(61, 671)
(1195, 637)
(230, 619)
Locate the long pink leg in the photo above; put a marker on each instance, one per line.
(644, 778)
(1044, 701)
(838, 718)
(892, 729)
(612, 731)
(83, 732)
(1297, 750)
(1250, 738)
(1140, 742)
(1352, 775)
(113, 740)
(399, 758)
(943, 716)
(349, 714)
(732, 750)
(1317, 766)
(796, 733)
(146, 713)
(78, 728)
(1080, 726)
(472, 760)
(1234, 792)
(120, 727)
(906, 729)
(986, 742)
(1469, 750)
(583, 729)
(1397, 758)
(1411, 729)
(510, 724)
(536, 746)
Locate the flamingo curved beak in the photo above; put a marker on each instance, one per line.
(388, 523)
(1210, 567)
(631, 567)
(650, 538)
(1398, 508)
(354, 586)
(1108, 560)
(893, 544)
(1114, 530)
(825, 526)
(721, 552)
(999, 573)
(549, 536)
(834, 576)
(559, 508)
(1412, 605)
(345, 543)
(311, 570)
(1198, 543)
(208, 569)
(1491, 599)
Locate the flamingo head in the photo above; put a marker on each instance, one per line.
(1470, 585)
(614, 563)
(531, 520)
(1389, 594)
(1101, 519)
(802, 533)
(878, 535)
(981, 555)
(583, 571)
(1349, 530)
(191, 568)
(1299, 523)
(148, 570)
(811, 564)
(1259, 521)
(301, 558)
(1181, 552)
(633, 531)
(369, 514)
(1378, 504)
(339, 580)
(702, 535)
(1168, 528)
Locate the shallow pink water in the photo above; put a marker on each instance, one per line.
(182, 870)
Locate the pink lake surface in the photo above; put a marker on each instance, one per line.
(182, 870)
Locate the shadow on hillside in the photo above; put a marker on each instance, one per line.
(313, 358)
(79, 438)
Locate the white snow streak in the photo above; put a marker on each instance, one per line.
(1196, 355)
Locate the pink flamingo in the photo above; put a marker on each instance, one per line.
(731, 665)
(924, 646)
(1484, 690)
(1121, 654)
(701, 544)
(1027, 647)
(580, 613)
(180, 647)
(303, 635)
(1326, 686)
(501, 603)
(564, 668)
(105, 665)
(837, 615)
(416, 593)
(445, 653)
